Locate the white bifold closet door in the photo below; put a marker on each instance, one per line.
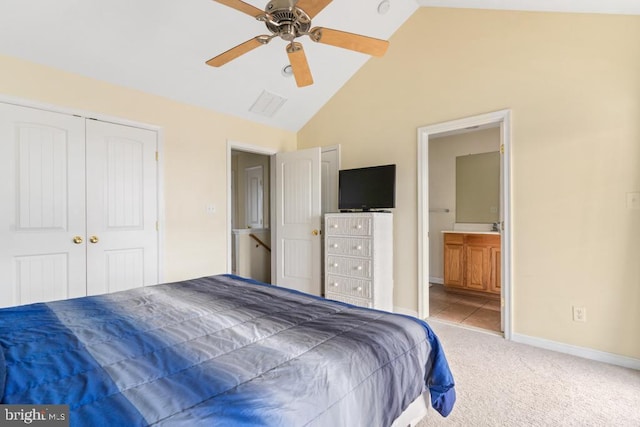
(79, 206)
(122, 248)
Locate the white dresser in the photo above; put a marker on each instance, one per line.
(358, 258)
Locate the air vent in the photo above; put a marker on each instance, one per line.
(267, 104)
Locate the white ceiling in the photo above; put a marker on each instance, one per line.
(160, 46)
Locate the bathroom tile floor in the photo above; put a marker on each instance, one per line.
(475, 311)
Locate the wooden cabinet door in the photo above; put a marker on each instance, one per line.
(477, 264)
(453, 265)
(495, 278)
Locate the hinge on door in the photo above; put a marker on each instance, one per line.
(157, 226)
(156, 156)
(502, 225)
(501, 148)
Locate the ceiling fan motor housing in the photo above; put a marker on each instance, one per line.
(286, 20)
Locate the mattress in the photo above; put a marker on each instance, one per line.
(220, 350)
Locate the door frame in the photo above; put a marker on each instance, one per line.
(247, 148)
(22, 102)
(502, 118)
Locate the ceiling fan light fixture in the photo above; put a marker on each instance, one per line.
(287, 70)
(384, 7)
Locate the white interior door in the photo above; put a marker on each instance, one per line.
(298, 219)
(122, 237)
(42, 188)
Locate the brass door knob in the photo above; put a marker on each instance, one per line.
(94, 239)
(315, 232)
(77, 240)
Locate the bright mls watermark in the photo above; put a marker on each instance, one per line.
(36, 415)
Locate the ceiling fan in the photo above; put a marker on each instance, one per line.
(290, 19)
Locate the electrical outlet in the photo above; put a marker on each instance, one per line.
(579, 314)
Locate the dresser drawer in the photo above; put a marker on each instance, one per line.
(349, 300)
(348, 246)
(348, 286)
(348, 226)
(354, 267)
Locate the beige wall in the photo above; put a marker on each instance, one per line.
(573, 84)
(195, 155)
(442, 185)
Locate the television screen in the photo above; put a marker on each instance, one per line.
(367, 188)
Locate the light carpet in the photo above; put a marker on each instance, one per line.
(503, 383)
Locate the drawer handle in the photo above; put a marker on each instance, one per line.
(359, 288)
(335, 264)
(335, 245)
(335, 284)
(359, 247)
(359, 267)
(359, 226)
(335, 225)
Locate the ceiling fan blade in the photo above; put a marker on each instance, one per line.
(357, 42)
(299, 64)
(312, 7)
(235, 52)
(242, 7)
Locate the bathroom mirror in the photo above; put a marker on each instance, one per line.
(478, 188)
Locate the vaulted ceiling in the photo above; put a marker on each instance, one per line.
(160, 47)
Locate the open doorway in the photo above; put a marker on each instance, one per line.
(250, 215)
(498, 256)
(464, 217)
(250, 207)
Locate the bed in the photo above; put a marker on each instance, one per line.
(221, 351)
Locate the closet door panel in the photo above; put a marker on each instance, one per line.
(121, 207)
(42, 220)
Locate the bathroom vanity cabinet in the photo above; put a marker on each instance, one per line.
(472, 261)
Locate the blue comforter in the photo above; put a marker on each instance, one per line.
(219, 351)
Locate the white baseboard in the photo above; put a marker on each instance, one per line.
(437, 280)
(587, 353)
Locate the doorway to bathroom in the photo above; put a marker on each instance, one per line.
(464, 218)
(465, 260)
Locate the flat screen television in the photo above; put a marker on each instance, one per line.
(366, 189)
